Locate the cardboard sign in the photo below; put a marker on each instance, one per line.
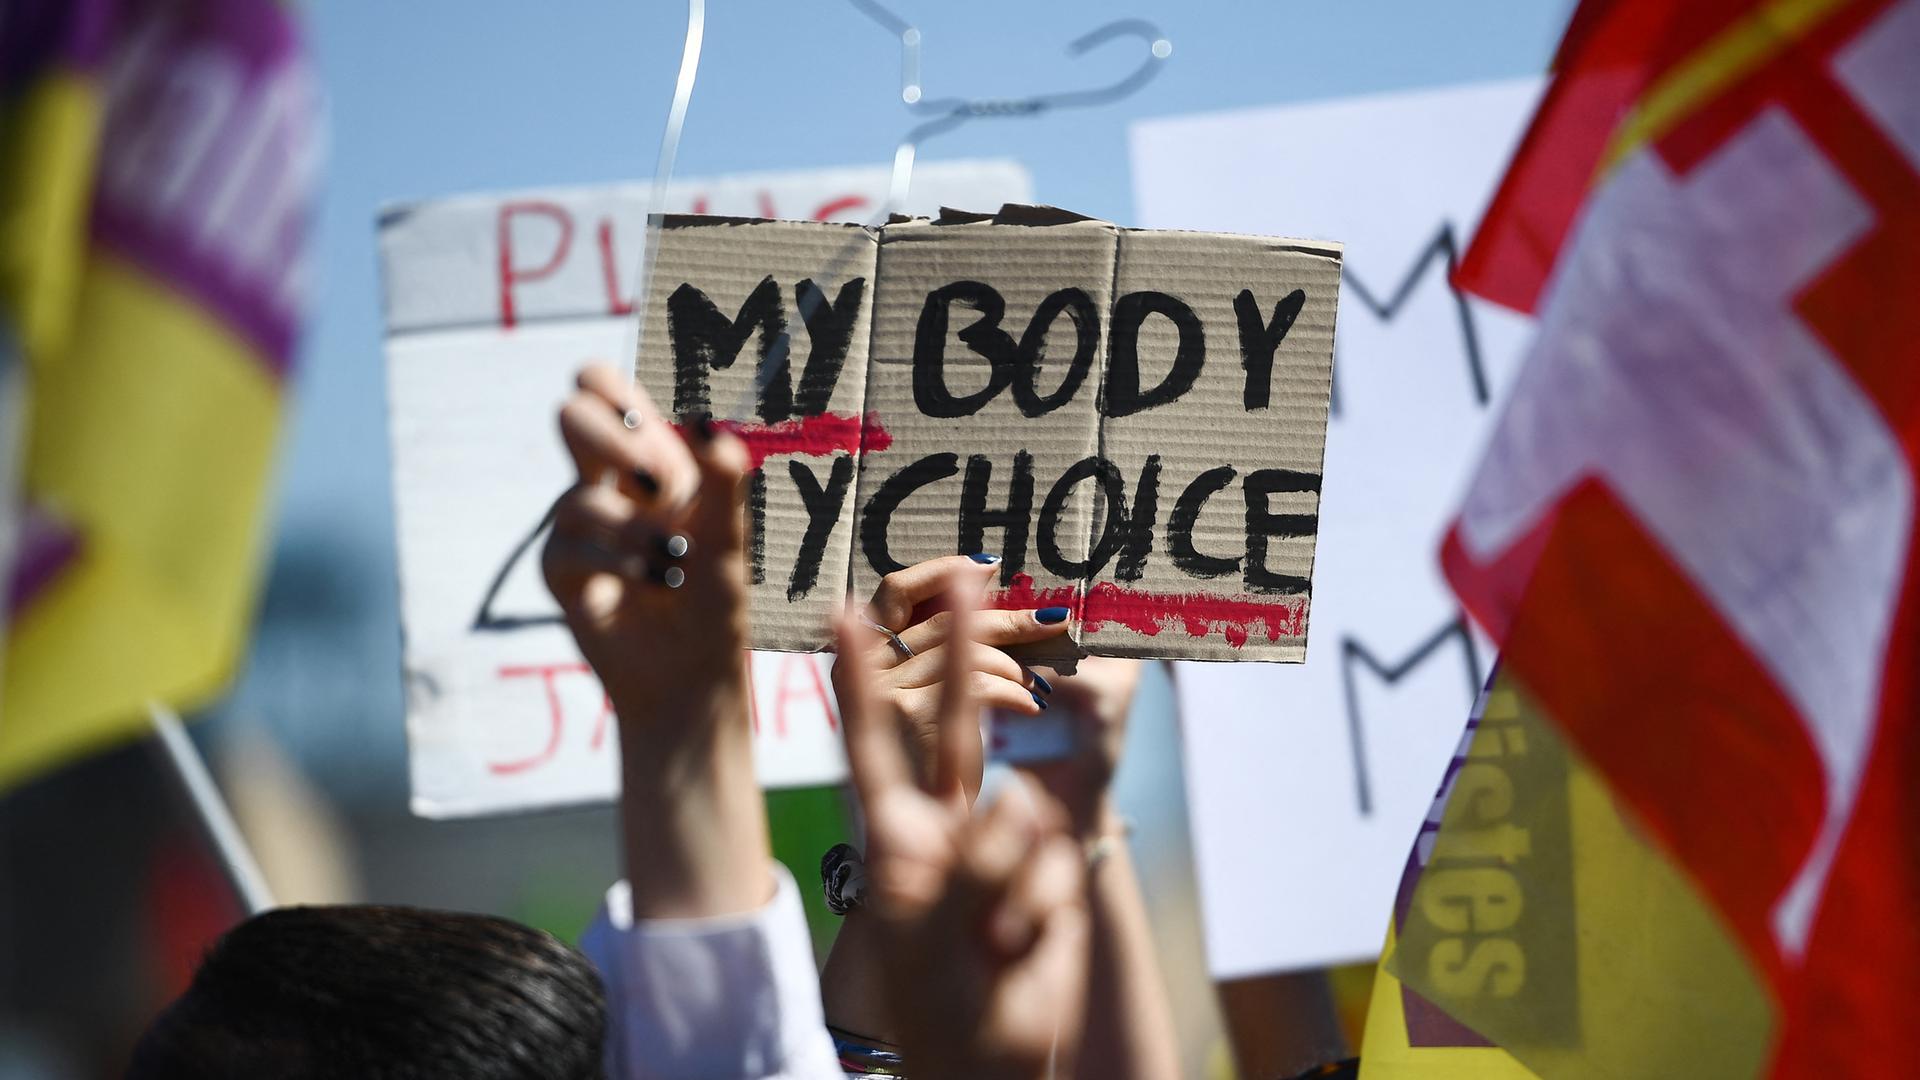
(493, 302)
(1320, 773)
(1132, 420)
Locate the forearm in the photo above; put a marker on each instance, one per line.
(1129, 1028)
(852, 981)
(693, 822)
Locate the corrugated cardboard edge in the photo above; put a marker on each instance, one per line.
(1337, 252)
(696, 221)
(1049, 654)
(1326, 249)
(1039, 215)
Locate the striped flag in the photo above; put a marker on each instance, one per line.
(156, 169)
(1693, 530)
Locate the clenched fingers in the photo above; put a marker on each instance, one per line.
(903, 590)
(1052, 876)
(599, 530)
(874, 756)
(1000, 839)
(610, 426)
(924, 668)
(991, 627)
(718, 516)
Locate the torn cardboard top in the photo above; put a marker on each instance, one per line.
(1133, 420)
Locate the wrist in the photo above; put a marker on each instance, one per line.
(666, 715)
(694, 824)
(682, 756)
(852, 992)
(1098, 820)
(1108, 842)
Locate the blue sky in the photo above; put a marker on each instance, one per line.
(431, 97)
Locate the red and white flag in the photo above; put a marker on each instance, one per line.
(1694, 526)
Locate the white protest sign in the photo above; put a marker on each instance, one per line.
(1305, 784)
(493, 301)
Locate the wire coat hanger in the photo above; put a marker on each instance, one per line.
(945, 114)
(663, 172)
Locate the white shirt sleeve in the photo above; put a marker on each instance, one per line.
(734, 997)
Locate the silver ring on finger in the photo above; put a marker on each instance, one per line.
(661, 571)
(668, 551)
(901, 647)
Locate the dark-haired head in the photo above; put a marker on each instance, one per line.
(313, 993)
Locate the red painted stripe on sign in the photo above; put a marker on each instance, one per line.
(813, 436)
(1236, 618)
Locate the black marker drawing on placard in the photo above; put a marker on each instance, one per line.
(1123, 396)
(823, 502)
(1445, 247)
(1259, 337)
(705, 339)
(757, 526)
(485, 619)
(1353, 653)
(1010, 518)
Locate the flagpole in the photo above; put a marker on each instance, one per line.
(236, 858)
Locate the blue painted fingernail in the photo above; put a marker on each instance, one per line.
(1051, 615)
(983, 558)
(1040, 701)
(1040, 681)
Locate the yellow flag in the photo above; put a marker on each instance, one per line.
(1430, 1048)
(1408, 1037)
(1538, 922)
(159, 163)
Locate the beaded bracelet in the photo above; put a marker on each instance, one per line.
(1107, 844)
(843, 878)
(861, 1056)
